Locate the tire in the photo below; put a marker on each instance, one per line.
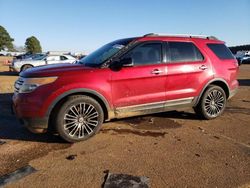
(79, 118)
(212, 103)
(25, 67)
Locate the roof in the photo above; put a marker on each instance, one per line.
(180, 35)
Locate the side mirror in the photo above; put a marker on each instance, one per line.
(127, 62)
(117, 65)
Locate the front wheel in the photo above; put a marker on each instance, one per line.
(212, 103)
(79, 118)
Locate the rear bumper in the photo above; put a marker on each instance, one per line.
(232, 93)
(234, 90)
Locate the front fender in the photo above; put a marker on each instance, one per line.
(75, 91)
(65, 91)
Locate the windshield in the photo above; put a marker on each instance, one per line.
(102, 54)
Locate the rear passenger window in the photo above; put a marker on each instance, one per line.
(221, 51)
(184, 52)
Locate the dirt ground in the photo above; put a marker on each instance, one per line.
(173, 149)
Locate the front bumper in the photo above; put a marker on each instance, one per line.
(27, 114)
(35, 123)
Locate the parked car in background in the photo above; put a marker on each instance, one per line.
(245, 59)
(127, 77)
(19, 66)
(28, 56)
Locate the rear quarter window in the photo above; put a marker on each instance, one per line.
(221, 51)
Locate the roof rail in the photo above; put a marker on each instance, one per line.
(180, 35)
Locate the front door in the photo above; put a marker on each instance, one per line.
(141, 86)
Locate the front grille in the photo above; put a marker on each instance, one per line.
(18, 84)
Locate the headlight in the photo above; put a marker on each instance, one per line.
(30, 84)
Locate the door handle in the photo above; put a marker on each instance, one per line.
(203, 67)
(156, 71)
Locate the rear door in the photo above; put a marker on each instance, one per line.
(144, 83)
(188, 70)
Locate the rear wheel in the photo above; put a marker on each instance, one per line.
(25, 67)
(212, 103)
(79, 118)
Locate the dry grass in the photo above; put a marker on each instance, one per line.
(3, 59)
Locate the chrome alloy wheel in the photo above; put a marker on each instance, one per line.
(80, 120)
(214, 103)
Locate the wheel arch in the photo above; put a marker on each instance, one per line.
(218, 82)
(21, 69)
(51, 112)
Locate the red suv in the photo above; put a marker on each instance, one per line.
(127, 77)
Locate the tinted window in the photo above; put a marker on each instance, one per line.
(221, 51)
(184, 52)
(63, 58)
(149, 53)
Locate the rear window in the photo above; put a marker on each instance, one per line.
(221, 51)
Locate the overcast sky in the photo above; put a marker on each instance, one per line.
(77, 25)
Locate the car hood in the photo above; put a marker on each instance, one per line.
(54, 70)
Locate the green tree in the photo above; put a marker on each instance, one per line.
(32, 45)
(5, 39)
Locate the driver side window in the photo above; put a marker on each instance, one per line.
(145, 54)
